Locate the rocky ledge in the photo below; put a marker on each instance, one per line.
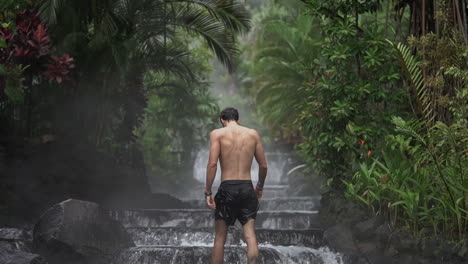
(15, 247)
(363, 239)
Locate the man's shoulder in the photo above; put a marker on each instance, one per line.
(215, 132)
(252, 131)
(220, 131)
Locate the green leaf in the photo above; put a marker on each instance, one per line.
(398, 203)
(15, 94)
(2, 43)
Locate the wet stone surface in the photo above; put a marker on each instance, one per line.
(287, 231)
(205, 236)
(203, 218)
(233, 255)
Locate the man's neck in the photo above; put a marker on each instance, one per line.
(231, 123)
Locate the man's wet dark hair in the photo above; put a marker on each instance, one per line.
(229, 114)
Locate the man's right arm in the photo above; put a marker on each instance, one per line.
(260, 158)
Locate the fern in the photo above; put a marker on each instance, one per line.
(413, 73)
(443, 146)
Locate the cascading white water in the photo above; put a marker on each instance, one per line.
(287, 227)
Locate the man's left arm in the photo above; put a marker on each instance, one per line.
(212, 167)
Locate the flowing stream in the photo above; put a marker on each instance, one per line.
(288, 229)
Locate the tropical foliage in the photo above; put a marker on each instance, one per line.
(344, 83)
(114, 45)
(372, 93)
(178, 117)
(420, 182)
(26, 60)
(339, 74)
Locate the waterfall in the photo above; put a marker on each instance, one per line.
(287, 227)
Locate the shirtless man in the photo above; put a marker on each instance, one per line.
(235, 146)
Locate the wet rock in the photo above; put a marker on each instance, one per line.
(385, 245)
(463, 250)
(380, 259)
(431, 247)
(308, 203)
(340, 238)
(9, 254)
(355, 259)
(449, 249)
(368, 247)
(203, 218)
(202, 255)
(19, 238)
(12, 234)
(337, 210)
(75, 231)
(390, 251)
(309, 238)
(365, 229)
(205, 236)
(383, 232)
(404, 243)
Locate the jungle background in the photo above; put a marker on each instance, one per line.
(107, 100)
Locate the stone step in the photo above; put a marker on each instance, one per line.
(269, 191)
(176, 236)
(307, 203)
(196, 218)
(232, 255)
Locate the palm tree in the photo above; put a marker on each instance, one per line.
(281, 64)
(152, 23)
(116, 41)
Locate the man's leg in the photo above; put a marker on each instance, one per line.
(217, 254)
(251, 240)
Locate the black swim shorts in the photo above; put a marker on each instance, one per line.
(236, 199)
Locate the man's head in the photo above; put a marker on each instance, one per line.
(229, 114)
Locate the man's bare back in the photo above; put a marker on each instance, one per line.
(238, 146)
(235, 146)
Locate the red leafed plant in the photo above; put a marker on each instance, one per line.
(59, 70)
(40, 41)
(30, 41)
(29, 44)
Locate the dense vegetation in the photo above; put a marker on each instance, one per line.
(130, 69)
(377, 90)
(372, 92)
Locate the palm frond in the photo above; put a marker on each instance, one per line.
(233, 15)
(412, 128)
(220, 40)
(48, 10)
(413, 73)
(172, 59)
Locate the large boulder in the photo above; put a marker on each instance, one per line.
(10, 254)
(75, 231)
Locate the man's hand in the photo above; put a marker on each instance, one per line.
(259, 194)
(210, 202)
